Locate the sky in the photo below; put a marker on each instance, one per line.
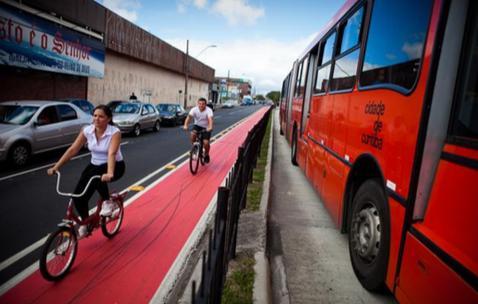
(256, 40)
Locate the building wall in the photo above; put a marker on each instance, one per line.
(124, 75)
(21, 84)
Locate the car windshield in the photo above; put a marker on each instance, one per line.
(167, 108)
(128, 108)
(16, 115)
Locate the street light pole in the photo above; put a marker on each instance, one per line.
(186, 74)
(202, 51)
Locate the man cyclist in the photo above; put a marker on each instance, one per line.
(203, 120)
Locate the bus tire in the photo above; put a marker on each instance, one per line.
(369, 235)
(293, 148)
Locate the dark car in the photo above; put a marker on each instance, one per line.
(171, 113)
(83, 104)
(114, 103)
(211, 105)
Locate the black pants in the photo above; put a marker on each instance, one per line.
(81, 203)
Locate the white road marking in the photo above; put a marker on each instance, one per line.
(25, 273)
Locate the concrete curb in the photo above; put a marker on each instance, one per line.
(261, 292)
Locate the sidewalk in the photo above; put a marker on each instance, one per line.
(308, 256)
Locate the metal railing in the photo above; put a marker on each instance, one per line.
(231, 200)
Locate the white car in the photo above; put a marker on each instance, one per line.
(35, 126)
(135, 116)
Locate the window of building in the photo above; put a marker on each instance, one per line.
(395, 43)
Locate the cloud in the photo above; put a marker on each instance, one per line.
(238, 11)
(125, 8)
(200, 3)
(265, 62)
(182, 5)
(413, 50)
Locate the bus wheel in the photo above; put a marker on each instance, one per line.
(369, 235)
(293, 148)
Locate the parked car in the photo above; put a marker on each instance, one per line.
(228, 105)
(31, 127)
(114, 103)
(83, 104)
(136, 116)
(247, 101)
(211, 105)
(171, 113)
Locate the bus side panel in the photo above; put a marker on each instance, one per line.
(426, 279)
(397, 216)
(302, 152)
(316, 155)
(334, 181)
(449, 224)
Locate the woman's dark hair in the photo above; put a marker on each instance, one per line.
(107, 112)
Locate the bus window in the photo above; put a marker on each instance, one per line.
(345, 67)
(297, 83)
(303, 76)
(395, 44)
(323, 71)
(464, 126)
(351, 31)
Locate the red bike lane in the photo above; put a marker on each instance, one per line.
(130, 267)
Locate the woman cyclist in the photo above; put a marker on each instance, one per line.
(103, 140)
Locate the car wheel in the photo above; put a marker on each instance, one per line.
(156, 126)
(137, 130)
(20, 154)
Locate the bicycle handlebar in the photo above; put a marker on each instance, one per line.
(72, 194)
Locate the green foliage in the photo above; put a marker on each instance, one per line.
(274, 96)
(260, 97)
(240, 282)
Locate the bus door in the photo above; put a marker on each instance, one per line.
(289, 101)
(305, 89)
(342, 83)
(440, 256)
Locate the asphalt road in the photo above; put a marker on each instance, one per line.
(30, 208)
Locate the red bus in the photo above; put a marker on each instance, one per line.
(381, 112)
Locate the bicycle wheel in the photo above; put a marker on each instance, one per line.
(58, 254)
(194, 159)
(201, 156)
(110, 225)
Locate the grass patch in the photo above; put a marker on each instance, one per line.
(239, 281)
(254, 190)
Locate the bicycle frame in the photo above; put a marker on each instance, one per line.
(93, 220)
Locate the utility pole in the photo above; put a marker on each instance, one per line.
(186, 73)
(227, 86)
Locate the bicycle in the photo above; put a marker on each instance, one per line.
(196, 155)
(61, 246)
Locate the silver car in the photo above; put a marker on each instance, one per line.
(135, 116)
(31, 127)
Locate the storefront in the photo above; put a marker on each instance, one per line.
(45, 59)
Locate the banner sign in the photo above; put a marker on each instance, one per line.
(28, 41)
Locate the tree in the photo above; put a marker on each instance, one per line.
(260, 97)
(274, 96)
